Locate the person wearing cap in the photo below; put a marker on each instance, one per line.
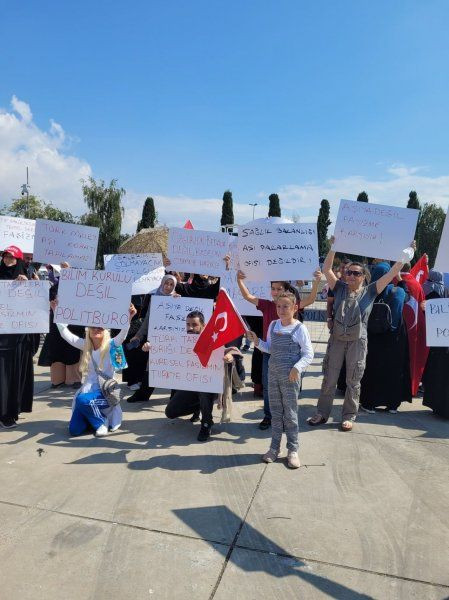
(16, 353)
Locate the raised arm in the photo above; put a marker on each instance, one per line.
(327, 267)
(70, 337)
(244, 290)
(310, 299)
(382, 283)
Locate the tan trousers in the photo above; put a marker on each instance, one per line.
(61, 373)
(355, 355)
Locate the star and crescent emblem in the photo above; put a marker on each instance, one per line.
(224, 316)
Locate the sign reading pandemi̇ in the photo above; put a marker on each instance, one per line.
(147, 269)
(94, 298)
(15, 231)
(278, 251)
(374, 230)
(201, 252)
(172, 364)
(56, 242)
(437, 322)
(261, 289)
(442, 261)
(24, 306)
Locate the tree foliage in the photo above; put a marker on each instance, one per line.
(149, 215)
(105, 212)
(430, 228)
(413, 201)
(322, 226)
(274, 209)
(227, 212)
(362, 197)
(36, 208)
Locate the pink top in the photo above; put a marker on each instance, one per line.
(269, 313)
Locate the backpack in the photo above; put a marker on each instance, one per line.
(380, 319)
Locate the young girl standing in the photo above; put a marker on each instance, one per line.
(288, 343)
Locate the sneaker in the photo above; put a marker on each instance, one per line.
(134, 387)
(8, 423)
(101, 431)
(54, 386)
(138, 396)
(204, 433)
(270, 456)
(265, 423)
(293, 460)
(115, 428)
(392, 411)
(371, 411)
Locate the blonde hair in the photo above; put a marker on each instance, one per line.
(88, 347)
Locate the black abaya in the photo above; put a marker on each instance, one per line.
(436, 381)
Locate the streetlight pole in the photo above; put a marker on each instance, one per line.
(254, 207)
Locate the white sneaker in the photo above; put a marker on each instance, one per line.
(270, 456)
(293, 460)
(101, 431)
(134, 387)
(115, 427)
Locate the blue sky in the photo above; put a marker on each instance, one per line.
(182, 100)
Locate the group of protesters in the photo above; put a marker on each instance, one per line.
(371, 356)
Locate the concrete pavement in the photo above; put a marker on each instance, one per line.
(149, 512)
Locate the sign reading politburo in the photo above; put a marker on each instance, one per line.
(15, 231)
(94, 298)
(442, 260)
(194, 251)
(172, 364)
(24, 306)
(278, 251)
(147, 269)
(374, 230)
(437, 322)
(261, 289)
(56, 242)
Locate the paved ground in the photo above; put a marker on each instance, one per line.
(150, 513)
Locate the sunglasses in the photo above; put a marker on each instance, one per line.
(355, 273)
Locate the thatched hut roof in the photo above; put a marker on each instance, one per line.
(147, 240)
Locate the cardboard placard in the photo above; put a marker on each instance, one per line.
(200, 252)
(442, 260)
(374, 230)
(172, 364)
(56, 242)
(24, 306)
(278, 251)
(15, 231)
(437, 322)
(259, 289)
(94, 298)
(147, 269)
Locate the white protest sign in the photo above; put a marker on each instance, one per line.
(194, 251)
(374, 230)
(172, 364)
(442, 260)
(24, 306)
(56, 242)
(437, 322)
(259, 289)
(94, 298)
(147, 269)
(278, 251)
(15, 231)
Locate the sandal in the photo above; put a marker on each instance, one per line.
(316, 420)
(346, 426)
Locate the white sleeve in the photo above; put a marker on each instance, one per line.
(302, 337)
(266, 346)
(121, 336)
(70, 337)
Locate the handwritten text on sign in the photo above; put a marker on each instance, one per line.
(201, 252)
(259, 289)
(56, 242)
(281, 251)
(147, 269)
(17, 232)
(172, 364)
(437, 322)
(94, 298)
(374, 230)
(24, 307)
(442, 261)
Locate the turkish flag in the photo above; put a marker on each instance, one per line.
(421, 269)
(188, 225)
(225, 325)
(415, 321)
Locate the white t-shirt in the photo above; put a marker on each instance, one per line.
(301, 337)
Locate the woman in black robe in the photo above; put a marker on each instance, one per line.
(436, 374)
(16, 354)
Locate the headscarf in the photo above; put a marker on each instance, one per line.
(12, 272)
(391, 295)
(435, 283)
(160, 289)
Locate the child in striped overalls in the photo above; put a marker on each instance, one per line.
(288, 342)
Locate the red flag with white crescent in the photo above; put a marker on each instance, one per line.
(420, 270)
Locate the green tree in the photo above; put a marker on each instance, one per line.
(227, 212)
(413, 201)
(274, 209)
(430, 228)
(362, 197)
(149, 215)
(106, 212)
(322, 226)
(36, 208)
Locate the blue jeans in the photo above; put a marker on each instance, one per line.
(266, 402)
(87, 411)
